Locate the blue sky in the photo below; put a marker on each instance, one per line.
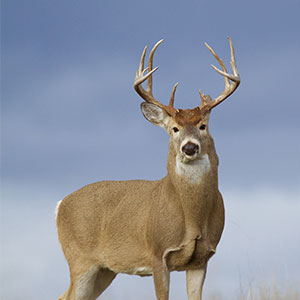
(70, 117)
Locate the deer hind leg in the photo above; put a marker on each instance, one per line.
(89, 285)
(194, 283)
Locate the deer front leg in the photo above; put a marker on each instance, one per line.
(161, 277)
(194, 283)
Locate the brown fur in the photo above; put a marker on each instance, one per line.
(188, 116)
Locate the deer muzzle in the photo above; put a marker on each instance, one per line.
(190, 149)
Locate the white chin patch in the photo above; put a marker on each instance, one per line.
(187, 158)
(192, 169)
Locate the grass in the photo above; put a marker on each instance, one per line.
(264, 293)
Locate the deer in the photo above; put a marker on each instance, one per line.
(151, 228)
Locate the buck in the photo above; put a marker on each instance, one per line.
(151, 227)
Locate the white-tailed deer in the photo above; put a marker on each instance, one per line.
(151, 227)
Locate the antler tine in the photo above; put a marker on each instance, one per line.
(202, 96)
(150, 65)
(205, 99)
(171, 103)
(233, 62)
(140, 77)
(141, 65)
(230, 87)
(220, 62)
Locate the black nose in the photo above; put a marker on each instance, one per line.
(190, 148)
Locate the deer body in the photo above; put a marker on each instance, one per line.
(149, 227)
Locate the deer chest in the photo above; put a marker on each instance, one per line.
(190, 254)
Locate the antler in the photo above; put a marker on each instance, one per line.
(140, 77)
(229, 87)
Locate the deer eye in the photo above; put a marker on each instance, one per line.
(202, 127)
(175, 129)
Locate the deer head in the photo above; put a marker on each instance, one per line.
(187, 128)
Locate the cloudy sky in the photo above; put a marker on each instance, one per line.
(70, 117)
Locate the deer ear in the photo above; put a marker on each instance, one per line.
(155, 114)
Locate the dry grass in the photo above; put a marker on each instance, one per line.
(263, 293)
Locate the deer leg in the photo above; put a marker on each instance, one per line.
(194, 283)
(88, 284)
(103, 280)
(161, 277)
(84, 285)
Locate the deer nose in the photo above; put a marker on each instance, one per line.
(190, 148)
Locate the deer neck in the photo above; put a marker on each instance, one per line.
(195, 185)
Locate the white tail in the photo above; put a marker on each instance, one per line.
(151, 227)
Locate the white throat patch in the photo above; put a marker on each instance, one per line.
(194, 170)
